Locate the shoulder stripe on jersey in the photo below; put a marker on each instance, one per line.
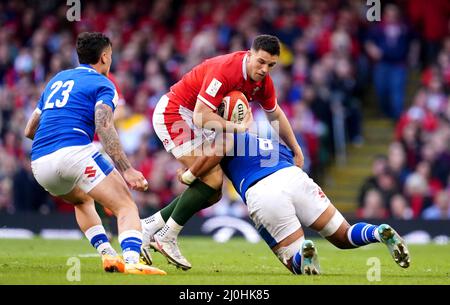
(80, 130)
(271, 110)
(208, 103)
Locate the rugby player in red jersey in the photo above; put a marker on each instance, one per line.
(183, 120)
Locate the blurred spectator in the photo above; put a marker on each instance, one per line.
(373, 205)
(379, 165)
(399, 207)
(388, 46)
(440, 208)
(417, 192)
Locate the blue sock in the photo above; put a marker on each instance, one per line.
(296, 263)
(131, 242)
(98, 239)
(362, 233)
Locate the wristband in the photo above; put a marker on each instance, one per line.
(188, 177)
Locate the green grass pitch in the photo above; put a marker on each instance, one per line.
(39, 261)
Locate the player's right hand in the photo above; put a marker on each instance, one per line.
(248, 120)
(135, 180)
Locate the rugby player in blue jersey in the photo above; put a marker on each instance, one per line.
(75, 104)
(280, 197)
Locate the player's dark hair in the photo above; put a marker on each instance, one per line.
(90, 46)
(267, 43)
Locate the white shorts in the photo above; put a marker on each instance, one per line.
(281, 202)
(82, 166)
(174, 126)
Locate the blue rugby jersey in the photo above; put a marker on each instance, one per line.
(67, 108)
(253, 159)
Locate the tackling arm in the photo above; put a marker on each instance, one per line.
(32, 124)
(204, 164)
(286, 134)
(205, 117)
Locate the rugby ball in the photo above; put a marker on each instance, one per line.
(234, 107)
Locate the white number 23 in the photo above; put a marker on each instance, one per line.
(55, 88)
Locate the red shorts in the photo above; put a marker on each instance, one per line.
(175, 128)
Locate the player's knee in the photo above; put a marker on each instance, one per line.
(332, 226)
(123, 207)
(287, 252)
(214, 179)
(214, 198)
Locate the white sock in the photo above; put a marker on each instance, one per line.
(98, 239)
(151, 225)
(377, 235)
(170, 230)
(131, 242)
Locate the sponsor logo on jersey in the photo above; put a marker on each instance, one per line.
(90, 171)
(213, 87)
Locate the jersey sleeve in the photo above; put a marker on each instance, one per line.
(213, 90)
(267, 98)
(40, 104)
(107, 94)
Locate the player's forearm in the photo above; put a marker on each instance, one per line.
(109, 138)
(286, 132)
(32, 125)
(204, 164)
(212, 121)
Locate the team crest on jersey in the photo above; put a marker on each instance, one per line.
(213, 87)
(90, 171)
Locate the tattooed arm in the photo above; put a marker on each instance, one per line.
(104, 125)
(109, 138)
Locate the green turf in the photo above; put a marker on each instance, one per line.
(41, 261)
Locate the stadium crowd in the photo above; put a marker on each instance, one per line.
(330, 55)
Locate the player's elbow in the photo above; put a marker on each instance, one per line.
(27, 133)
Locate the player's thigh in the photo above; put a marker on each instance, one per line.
(113, 193)
(77, 197)
(271, 210)
(308, 198)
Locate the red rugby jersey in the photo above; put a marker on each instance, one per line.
(211, 80)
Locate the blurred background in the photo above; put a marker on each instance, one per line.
(368, 100)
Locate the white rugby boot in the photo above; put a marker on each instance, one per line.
(310, 261)
(169, 248)
(396, 245)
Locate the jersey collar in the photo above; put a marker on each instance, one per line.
(87, 67)
(244, 67)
